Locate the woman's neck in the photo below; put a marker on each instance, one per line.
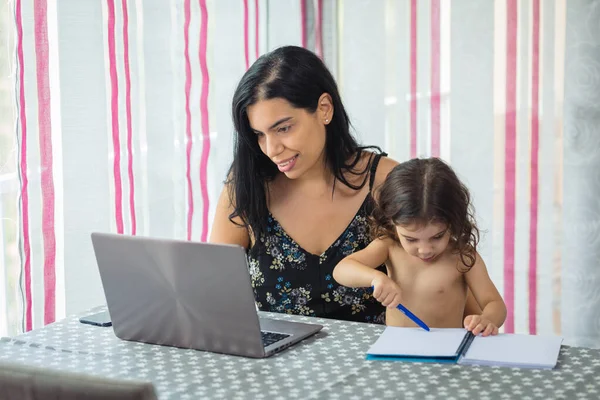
(316, 182)
(320, 181)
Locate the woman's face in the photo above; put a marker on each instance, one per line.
(293, 138)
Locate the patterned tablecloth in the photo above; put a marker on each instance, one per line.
(328, 365)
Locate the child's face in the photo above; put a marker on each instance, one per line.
(426, 242)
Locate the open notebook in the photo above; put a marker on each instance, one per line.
(461, 347)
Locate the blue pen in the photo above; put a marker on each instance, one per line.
(412, 316)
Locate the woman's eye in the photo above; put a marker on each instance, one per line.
(284, 129)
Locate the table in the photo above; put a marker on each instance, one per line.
(329, 365)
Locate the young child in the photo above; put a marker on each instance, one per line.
(426, 235)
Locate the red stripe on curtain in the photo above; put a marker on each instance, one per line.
(45, 139)
(319, 29)
(246, 36)
(23, 171)
(435, 78)
(114, 109)
(188, 116)
(510, 163)
(204, 115)
(303, 23)
(256, 29)
(413, 78)
(128, 111)
(535, 134)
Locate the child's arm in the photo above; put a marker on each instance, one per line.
(486, 294)
(359, 270)
(471, 306)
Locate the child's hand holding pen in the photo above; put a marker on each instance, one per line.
(386, 291)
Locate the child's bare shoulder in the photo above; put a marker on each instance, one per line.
(459, 262)
(386, 240)
(381, 244)
(396, 250)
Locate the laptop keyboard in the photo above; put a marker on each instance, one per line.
(269, 338)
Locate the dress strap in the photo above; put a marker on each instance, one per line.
(374, 165)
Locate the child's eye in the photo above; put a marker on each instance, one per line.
(411, 240)
(438, 237)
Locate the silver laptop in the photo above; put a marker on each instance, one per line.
(187, 294)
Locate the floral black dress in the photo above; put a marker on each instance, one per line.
(288, 279)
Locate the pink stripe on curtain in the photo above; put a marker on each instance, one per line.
(128, 108)
(303, 23)
(45, 138)
(114, 110)
(204, 115)
(319, 29)
(413, 78)
(256, 29)
(535, 134)
(23, 171)
(246, 35)
(510, 164)
(188, 116)
(435, 78)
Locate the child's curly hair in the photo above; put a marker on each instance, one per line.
(422, 191)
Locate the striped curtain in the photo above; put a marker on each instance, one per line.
(122, 123)
(503, 91)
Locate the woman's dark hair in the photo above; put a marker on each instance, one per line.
(300, 77)
(423, 191)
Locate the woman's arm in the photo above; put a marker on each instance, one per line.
(225, 231)
(493, 308)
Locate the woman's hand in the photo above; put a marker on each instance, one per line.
(478, 324)
(386, 291)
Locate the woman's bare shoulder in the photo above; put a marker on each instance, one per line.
(386, 164)
(384, 167)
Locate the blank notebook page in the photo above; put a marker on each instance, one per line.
(514, 350)
(395, 341)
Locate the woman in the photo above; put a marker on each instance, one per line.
(299, 191)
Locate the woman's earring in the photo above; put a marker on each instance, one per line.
(326, 121)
